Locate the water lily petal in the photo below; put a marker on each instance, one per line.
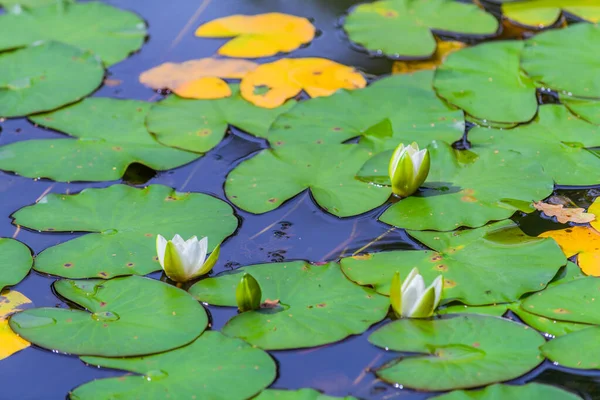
(161, 245)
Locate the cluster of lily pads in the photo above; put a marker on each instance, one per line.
(337, 146)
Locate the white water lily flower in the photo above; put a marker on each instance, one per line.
(408, 169)
(412, 299)
(185, 260)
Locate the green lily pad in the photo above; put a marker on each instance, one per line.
(15, 262)
(120, 317)
(403, 28)
(565, 59)
(49, 76)
(408, 101)
(199, 125)
(272, 177)
(573, 301)
(545, 13)
(301, 394)
(500, 391)
(318, 305)
(464, 189)
(487, 82)
(212, 367)
(111, 136)
(9, 4)
(575, 350)
(110, 33)
(587, 109)
(123, 222)
(496, 310)
(460, 352)
(555, 139)
(497, 263)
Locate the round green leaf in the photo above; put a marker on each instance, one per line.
(500, 391)
(271, 177)
(121, 317)
(573, 301)
(317, 305)
(487, 82)
(575, 350)
(110, 33)
(15, 262)
(301, 394)
(403, 28)
(555, 139)
(124, 222)
(199, 125)
(497, 263)
(460, 352)
(565, 59)
(587, 109)
(49, 76)
(415, 112)
(111, 136)
(465, 190)
(544, 13)
(212, 367)
(9, 4)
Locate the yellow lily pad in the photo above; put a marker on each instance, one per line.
(11, 302)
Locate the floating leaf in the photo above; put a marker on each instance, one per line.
(413, 108)
(587, 109)
(15, 262)
(444, 48)
(403, 28)
(212, 367)
(475, 80)
(544, 13)
(271, 177)
(119, 317)
(270, 85)
(496, 310)
(11, 302)
(564, 215)
(111, 135)
(300, 394)
(204, 89)
(178, 77)
(497, 263)
(582, 241)
(199, 125)
(575, 350)
(556, 139)
(463, 189)
(110, 33)
(124, 222)
(499, 391)
(318, 305)
(261, 35)
(54, 73)
(9, 4)
(461, 352)
(564, 59)
(594, 209)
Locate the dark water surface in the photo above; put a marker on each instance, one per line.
(297, 230)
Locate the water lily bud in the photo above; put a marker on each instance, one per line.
(412, 299)
(182, 260)
(248, 294)
(408, 169)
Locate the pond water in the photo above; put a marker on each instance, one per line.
(297, 230)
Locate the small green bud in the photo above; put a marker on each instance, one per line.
(248, 294)
(408, 169)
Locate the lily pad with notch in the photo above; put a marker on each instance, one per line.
(586, 109)
(576, 350)
(497, 263)
(462, 351)
(111, 136)
(123, 222)
(317, 305)
(120, 317)
(50, 75)
(110, 33)
(214, 366)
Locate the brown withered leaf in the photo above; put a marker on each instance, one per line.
(270, 303)
(564, 215)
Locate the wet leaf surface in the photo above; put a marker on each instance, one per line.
(499, 391)
(544, 13)
(575, 350)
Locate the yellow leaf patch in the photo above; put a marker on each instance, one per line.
(564, 215)
(11, 302)
(583, 241)
(209, 87)
(595, 209)
(270, 85)
(260, 35)
(442, 51)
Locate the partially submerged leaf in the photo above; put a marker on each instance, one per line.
(594, 209)
(270, 85)
(544, 13)
(259, 35)
(443, 50)
(582, 241)
(10, 303)
(576, 350)
(564, 215)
